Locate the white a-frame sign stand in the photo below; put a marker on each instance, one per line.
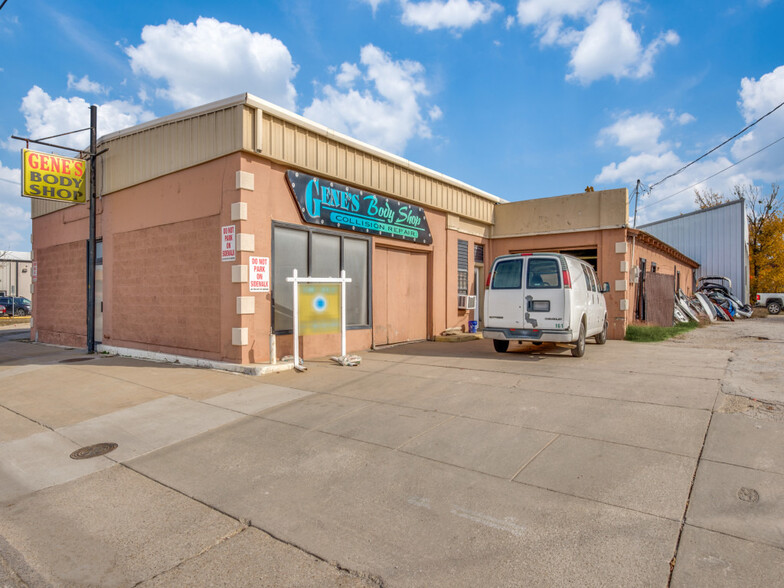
(342, 280)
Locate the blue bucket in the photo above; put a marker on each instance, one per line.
(472, 326)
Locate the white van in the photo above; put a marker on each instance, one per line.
(544, 297)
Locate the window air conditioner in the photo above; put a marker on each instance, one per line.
(466, 302)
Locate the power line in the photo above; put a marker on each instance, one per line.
(718, 146)
(714, 175)
(14, 182)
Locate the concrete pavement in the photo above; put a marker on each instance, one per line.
(427, 465)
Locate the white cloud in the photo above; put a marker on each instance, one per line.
(686, 118)
(758, 97)
(381, 107)
(611, 47)
(638, 133)
(435, 113)
(608, 46)
(542, 12)
(374, 4)
(85, 85)
(45, 117)
(15, 224)
(210, 60)
(448, 14)
(651, 160)
(349, 72)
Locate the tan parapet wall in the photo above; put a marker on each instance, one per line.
(606, 209)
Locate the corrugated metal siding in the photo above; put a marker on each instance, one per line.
(298, 147)
(159, 148)
(162, 149)
(716, 238)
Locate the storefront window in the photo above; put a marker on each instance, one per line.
(319, 254)
(355, 256)
(290, 252)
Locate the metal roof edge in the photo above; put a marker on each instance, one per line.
(182, 115)
(700, 211)
(662, 245)
(299, 120)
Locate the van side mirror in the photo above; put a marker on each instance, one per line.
(605, 287)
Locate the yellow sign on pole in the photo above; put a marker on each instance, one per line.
(319, 308)
(53, 177)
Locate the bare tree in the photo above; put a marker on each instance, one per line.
(708, 198)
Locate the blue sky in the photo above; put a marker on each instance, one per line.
(523, 99)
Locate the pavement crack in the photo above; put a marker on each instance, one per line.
(673, 561)
(245, 524)
(226, 537)
(525, 465)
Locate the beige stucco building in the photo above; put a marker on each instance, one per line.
(172, 189)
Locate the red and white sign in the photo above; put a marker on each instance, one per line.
(259, 274)
(228, 241)
(35, 271)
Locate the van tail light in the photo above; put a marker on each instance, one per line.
(487, 281)
(567, 279)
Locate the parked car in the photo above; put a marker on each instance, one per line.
(541, 297)
(2, 311)
(773, 300)
(16, 305)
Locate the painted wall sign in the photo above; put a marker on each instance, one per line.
(228, 250)
(53, 177)
(323, 202)
(259, 274)
(319, 308)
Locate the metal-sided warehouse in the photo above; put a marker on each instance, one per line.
(191, 205)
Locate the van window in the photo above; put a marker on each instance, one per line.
(508, 274)
(590, 280)
(542, 273)
(596, 287)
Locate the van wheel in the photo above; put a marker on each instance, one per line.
(579, 346)
(500, 345)
(601, 338)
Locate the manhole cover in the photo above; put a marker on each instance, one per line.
(748, 495)
(75, 359)
(93, 450)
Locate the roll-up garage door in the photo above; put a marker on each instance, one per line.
(400, 295)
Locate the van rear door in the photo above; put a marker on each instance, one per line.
(544, 293)
(504, 300)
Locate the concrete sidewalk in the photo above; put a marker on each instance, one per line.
(428, 465)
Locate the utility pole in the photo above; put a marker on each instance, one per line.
(636, 199)
(91, 242)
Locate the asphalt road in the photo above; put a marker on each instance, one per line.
(431, 464)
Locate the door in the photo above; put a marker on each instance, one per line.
(400, 296)
(544, 294)
(504, 299)
(479, 292)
